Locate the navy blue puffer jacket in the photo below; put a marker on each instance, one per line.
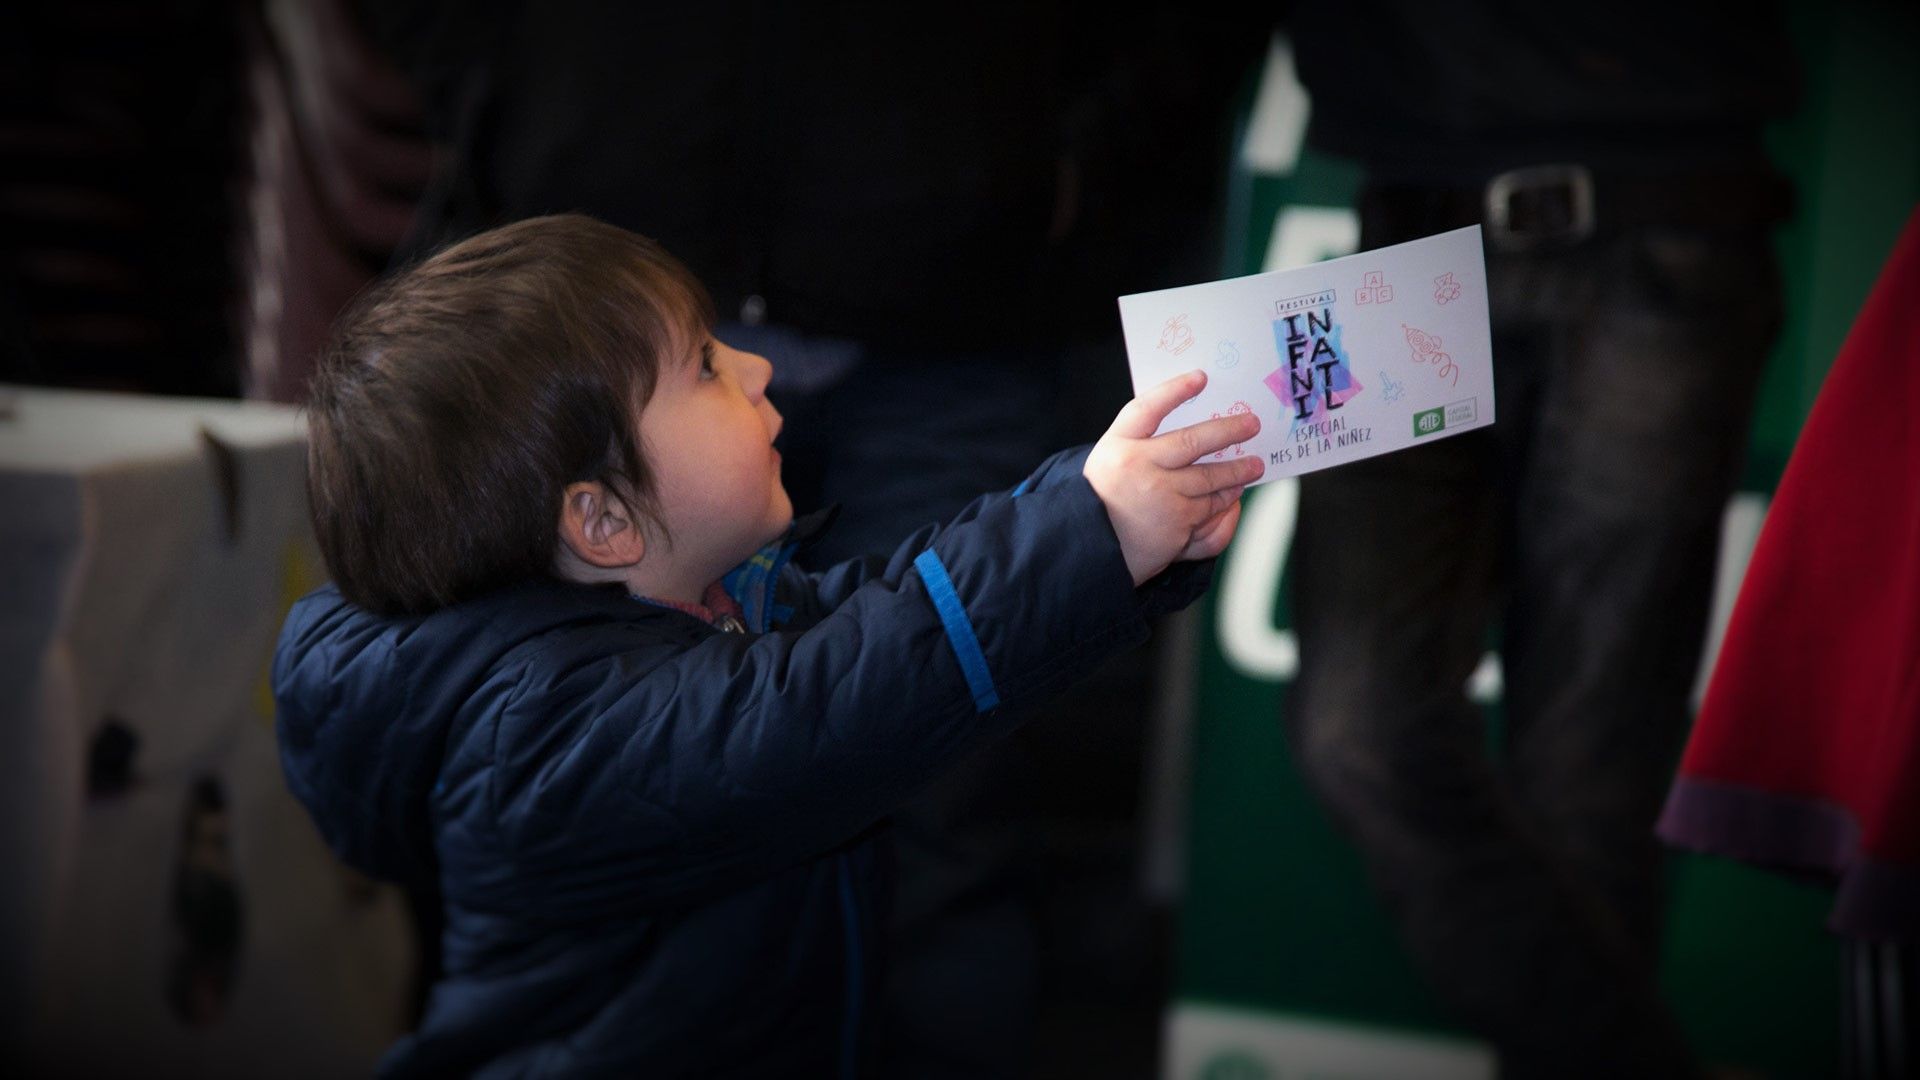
(654, 839)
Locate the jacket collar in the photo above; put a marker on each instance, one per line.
(752, 583)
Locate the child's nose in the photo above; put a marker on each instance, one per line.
(756, 373)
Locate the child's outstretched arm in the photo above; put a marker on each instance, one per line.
(1150, 487)
(692, 768)
(1165, 503)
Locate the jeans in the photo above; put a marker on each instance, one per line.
(1584, 523)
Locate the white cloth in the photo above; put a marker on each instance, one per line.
(149, 548)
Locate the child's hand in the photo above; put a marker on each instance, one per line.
(1164, 507)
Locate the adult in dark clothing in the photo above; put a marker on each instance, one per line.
(1613, 156)
(923, 223)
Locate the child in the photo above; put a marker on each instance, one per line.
(568, 674)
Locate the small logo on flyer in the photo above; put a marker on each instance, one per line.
(1176, 337)
(1463, 412)
(1324, 298)
(1236, 409)
(1429, 421)
(1373, 289)
(1426, 350)
(1390, 390)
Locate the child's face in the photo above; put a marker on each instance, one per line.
(708, 434)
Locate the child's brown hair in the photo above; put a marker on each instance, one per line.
(459, 397)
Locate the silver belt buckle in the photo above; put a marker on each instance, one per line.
(1504, 188)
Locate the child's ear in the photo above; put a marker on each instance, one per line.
(597, 527)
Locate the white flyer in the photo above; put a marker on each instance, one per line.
(1341, 360)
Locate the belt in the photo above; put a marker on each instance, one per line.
(1560, 205)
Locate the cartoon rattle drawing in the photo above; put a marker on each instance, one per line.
(1176, 337)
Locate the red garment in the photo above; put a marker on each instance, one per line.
(718, 607)
(1806, 754)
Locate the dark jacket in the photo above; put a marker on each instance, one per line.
(655, 839)
(920, 181)
(1443, 95)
